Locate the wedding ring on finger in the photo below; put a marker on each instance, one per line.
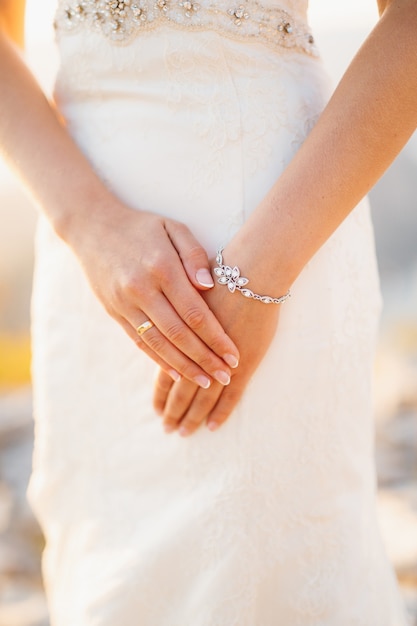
(142, 328)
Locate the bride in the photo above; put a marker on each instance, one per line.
(192, 174)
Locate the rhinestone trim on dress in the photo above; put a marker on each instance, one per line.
(122, 20)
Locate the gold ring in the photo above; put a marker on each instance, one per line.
(144, 327)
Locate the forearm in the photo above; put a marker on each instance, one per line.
(37, 145)
(370, 117)
(141, 266)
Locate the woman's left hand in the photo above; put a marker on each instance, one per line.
(251, 325)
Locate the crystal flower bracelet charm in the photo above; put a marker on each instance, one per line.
(231, 277)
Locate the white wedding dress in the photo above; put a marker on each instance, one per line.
(193, 111)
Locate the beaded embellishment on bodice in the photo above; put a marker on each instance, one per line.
(122, 20)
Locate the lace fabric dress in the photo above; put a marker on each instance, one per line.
(192, 111)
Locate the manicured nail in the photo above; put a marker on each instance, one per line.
(213, 426)
(203, 381)
(203, 276)
(231, 360)
(183, 431)
(174, 375)
(169, 428)
(222, 377)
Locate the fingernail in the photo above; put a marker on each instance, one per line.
(231, 360)
(203, 276)
(174, 375)
(203, 381)
(222, 377)
(169, 428)
(183, 431)
(213, 426)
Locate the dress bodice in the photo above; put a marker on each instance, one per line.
(277, 24)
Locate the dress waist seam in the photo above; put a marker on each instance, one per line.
(121, 22)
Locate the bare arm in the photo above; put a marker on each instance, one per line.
(370, 117)
(149, 267)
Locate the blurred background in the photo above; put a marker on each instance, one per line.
(339, 28)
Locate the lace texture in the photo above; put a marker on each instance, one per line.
(251, 20)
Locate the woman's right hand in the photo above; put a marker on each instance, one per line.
(146, 267)
(141, 266)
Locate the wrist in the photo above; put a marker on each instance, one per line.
(230, 275)
(93, 213)
(268, 271)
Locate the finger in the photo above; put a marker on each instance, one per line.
(173, 305)
(162, 387)
(176, 344)
(192, 254)
(194, 312)
(226, 404)
(178, 401)
(172, 360)
(199, 409)
(165, 367)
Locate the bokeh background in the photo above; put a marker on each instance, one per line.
(340, 27)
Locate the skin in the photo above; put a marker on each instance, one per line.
(333, 170)
(330, 174)
(151, 267)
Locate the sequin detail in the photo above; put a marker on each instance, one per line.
(122, 20)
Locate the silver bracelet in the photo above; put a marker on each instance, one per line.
(231, 277)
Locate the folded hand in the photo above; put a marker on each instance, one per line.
(145, 267)
(252, 325)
